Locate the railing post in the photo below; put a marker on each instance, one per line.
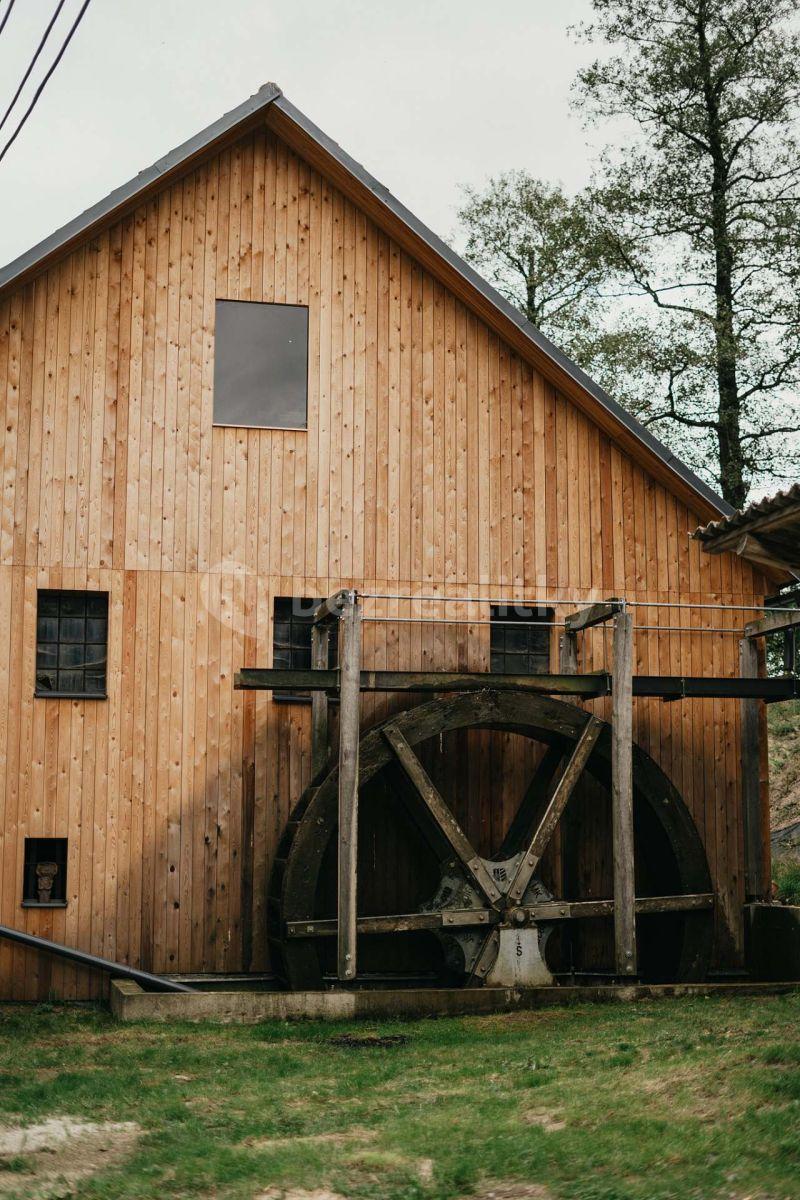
(349, 729)
(622, 796)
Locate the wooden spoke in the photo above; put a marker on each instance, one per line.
(399, 923)
(570, 910)
(443, 819)
(529, 814)
(555, 807)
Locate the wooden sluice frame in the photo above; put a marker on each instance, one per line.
(343, 611)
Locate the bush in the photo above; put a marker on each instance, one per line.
(786, 873)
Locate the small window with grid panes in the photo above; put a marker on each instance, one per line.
(71, 644)
(519, 646)
(293, 620)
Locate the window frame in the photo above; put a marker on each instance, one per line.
(303, 621)
(59, 694)
(245, 425)
(502, 619)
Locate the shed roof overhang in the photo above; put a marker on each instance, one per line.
(767, 533)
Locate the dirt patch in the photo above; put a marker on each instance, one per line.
(369, 1041)
(298, 1194)
(509, 1191)
(49, 1158)
(549, 1122)
(312, 1139)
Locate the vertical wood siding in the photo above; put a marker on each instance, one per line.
(434, 457)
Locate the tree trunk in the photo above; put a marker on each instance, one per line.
(729, 433)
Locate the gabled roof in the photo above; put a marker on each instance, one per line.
(269, 106)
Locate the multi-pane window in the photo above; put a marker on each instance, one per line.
(261, 365)
(45, 872)
(71, 643)
(293, 619)
(519, 648)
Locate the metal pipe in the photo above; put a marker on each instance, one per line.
(156, 983)
(520, 602)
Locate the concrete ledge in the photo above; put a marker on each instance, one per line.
(130, 1003)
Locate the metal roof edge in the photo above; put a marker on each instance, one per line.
(382, 193)
(128, 192)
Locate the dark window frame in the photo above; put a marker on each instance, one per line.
(292, 621)
(58, 623)
(38, 850)
(263, 304)
(516, 647)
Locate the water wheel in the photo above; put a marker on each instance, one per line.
(477, 919)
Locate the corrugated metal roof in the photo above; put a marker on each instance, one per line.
(743, 518)
(125, 197)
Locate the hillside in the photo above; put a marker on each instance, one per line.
(784, 764)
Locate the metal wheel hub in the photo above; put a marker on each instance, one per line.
(509, 950)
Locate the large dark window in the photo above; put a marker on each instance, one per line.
(518, 648)
(71, 644)
(293, 619)
(44, 882)
(261, 365)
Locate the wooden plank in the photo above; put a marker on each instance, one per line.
(622, 796)
(774, 622)
(595, 614)
(349, 735)
(424, 681)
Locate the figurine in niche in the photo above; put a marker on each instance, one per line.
(45, 878)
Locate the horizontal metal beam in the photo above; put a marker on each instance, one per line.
(774, 622)
(594, 614)
(154, 983)
(702, 687)
(552, 910)
(666, 687)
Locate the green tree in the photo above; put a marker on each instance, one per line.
(700, 201)
(546, 253)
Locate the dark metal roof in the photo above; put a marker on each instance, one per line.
(125, 196)
(766, 532)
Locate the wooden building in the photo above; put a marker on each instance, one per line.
(163, 502)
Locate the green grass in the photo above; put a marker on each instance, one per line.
(786, 873)
(691, 1099)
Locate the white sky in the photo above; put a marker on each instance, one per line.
(427, 94)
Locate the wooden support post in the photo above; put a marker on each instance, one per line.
(349, 729)
(568, 653)
(320, 641)
(755, 850)
(622, 796)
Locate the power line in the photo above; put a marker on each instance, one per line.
(32, 63)
(43, 84)
(11, 4)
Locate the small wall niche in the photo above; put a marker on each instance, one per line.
(44, 882)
